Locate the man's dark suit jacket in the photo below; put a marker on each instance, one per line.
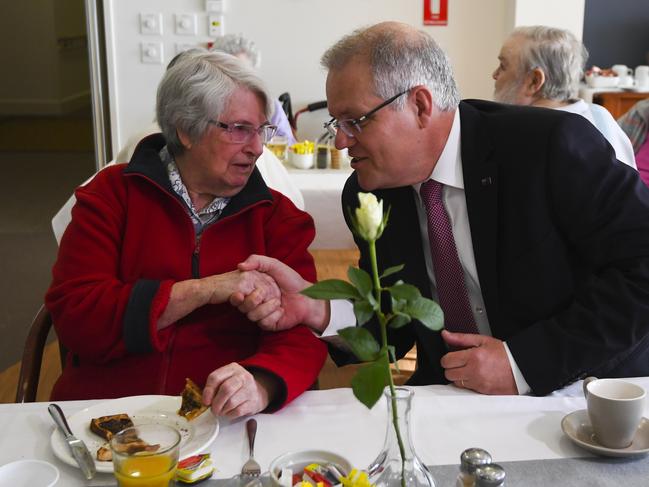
(560, 233)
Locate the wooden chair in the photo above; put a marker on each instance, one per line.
(30, 368)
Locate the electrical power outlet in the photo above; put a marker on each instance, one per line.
(151, 24)
(215, 27)
(186, 24)
(151, 52)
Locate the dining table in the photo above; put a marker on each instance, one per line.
(322, 190)
(522, 433)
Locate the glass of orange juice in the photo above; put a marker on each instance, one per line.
(145, 455)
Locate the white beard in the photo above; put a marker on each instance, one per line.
(508, 94)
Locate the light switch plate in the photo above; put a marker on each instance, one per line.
(186, 24)
(151, 52)
(151, 23)
(215, 27)
(215, 6)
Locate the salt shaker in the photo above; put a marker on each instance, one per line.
(469, 461)
(491, 475)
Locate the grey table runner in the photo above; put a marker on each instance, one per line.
(569, 472)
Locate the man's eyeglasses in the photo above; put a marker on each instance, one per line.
(352, 126)
(242, 133)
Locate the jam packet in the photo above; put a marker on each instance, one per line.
(194, 469)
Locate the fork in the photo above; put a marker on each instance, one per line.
(251, 468)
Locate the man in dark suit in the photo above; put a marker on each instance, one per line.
(550, 231)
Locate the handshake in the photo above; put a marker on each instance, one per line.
(268, 293)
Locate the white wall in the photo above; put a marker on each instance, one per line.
(292, 35)
(44, 79)
(564, 14)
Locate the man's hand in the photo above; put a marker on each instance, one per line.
(482, 364)
(291, 309)
(233, 391)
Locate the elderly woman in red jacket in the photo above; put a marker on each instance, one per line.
(141, 287)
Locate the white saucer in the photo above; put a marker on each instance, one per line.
(577, 427)
(28, 473)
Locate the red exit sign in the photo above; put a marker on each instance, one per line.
(435, 12)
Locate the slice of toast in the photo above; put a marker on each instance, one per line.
(107, 426)
(105, 454)
(192, 401)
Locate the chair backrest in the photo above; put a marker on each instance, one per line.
(30, 368)
(285, 101)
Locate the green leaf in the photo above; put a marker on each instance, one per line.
(398, 305)
(404, 291)
(361, 280)
(363, 310)
(398, 320)
(361, 342)
(372, 300)
(370, 380)
(427, 311)
(331, 289)
(391, 270)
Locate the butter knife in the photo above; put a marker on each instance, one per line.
(77, 447)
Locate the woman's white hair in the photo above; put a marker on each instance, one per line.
(197, 89)
(399, 60)
(558, 53)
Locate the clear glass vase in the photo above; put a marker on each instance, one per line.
(386, 470)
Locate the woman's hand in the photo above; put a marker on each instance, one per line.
(186, 296)
(219, 288)
(233, 391)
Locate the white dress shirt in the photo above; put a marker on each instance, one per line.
(447, 171)
(606, 124)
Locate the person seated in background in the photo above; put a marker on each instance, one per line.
(146, 267)
(541, 66)
(245, 49)
(635, 124)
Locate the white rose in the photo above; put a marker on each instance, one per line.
(369, 216)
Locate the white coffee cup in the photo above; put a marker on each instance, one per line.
(622, 70)
(615, 409)
(624, 73)
(642, 76)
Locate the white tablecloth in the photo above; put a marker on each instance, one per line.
(445, 421)
(321, 189)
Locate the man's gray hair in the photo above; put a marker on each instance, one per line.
(198, 88)
(559, 54)
(236, 44)
(399, 61)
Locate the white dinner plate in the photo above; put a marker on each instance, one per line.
(196, 435)
(577, 427)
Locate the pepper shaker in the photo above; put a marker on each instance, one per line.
(492, 475)
(470, 459)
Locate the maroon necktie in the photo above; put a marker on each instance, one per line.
(449, 276)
